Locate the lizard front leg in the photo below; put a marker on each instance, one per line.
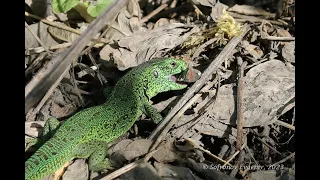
(152, 112)
(49, 129)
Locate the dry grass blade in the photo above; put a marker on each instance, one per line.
(41, 49)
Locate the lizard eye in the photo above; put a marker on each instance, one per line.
(156, 74)
(173, 64)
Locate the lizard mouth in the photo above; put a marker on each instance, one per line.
(189, 75)
(178, 79)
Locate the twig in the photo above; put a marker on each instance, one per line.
(196, 87)
(269, 146)
(61, 26)
(256, 63)
(96, 41)
(41, 49)
(37, 38)
(173, 4)
(172, 10)
(245, 18)
(260, 20)
(196, 145)
(54, 24)
(154, 12)
(235, 154)
(240, 107)
(284, 159)
(275, 38)
(250, 154)
(201, 48)
(55, 70)
(238, 165)
(284, 124)
(198, 11)
(128, 167)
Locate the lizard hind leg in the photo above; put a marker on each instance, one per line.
(97, 160)
(97, 152)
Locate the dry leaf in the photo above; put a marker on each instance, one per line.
(133, 50)
(68, 36)
(268, 88)
(40, 29)
(126, 23)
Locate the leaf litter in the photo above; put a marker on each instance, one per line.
(203, 141)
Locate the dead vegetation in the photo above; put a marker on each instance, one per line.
(236, 122)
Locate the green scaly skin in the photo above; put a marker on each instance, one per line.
(87, 133)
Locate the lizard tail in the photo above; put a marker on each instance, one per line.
(47, 159)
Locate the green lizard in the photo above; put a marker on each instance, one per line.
(87, 133)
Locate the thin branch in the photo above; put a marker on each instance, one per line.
(284, 159)
(154, 12)
(240, 107)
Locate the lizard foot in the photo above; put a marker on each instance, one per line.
(102, 166)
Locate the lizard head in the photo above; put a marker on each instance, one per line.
(165, 74)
